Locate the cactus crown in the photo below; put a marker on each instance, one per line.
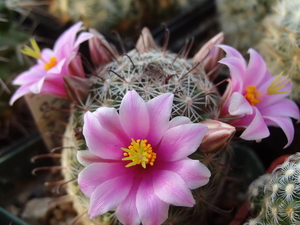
(278, 195)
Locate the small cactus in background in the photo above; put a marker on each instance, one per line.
(280, 44)
(241, 21)
(126, 16)
(278, 199)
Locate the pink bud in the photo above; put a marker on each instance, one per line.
(101, 51)
(210, 54)
(77, 88)
(145, 41)
(217, 136)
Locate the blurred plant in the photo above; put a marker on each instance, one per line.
(126, 16)
(280, 44)
(276, 197)
(241, 21)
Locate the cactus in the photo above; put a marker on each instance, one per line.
(241, 21)
(279, 197)
(122, 15)
(280, 46)
(150, 71)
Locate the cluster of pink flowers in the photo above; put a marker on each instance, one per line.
(145, 154)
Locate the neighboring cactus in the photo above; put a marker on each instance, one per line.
(150, 71)
(123, 15)
(279, 202)
(280, 46)
(241, 21)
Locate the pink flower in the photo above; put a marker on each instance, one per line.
(137, 162)
(255, 99)
(46, 77)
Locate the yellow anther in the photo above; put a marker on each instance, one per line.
(252, 95)
(278, 84)
(52, 62)
(139, 152)
(34, 52)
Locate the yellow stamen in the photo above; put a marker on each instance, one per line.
(278, 84)
(34, 52)
(52, 62)
(139, 152)
(252, 95)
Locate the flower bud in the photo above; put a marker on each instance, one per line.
(210, 54)
(77, 88)
(145, 41)
(217, 136)
(100, 50)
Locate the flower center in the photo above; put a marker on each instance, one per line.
(52, 62)
(252, 95)
(139, 152)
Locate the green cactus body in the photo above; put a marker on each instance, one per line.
(241, 21)
(150, 73)
(280, 46)
(279, 197)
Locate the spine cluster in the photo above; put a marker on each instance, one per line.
(276, 197)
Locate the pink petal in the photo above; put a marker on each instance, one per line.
(67, 37)
(82, 37)
(75, 68)
(256, 70)
(181, 141)
(85, 157)
(172, 189)
(231, 52)
(99, 141)
(53, 86)
(257, 129)
(159, 109)
(276, 110)
(109, 195)
(134, 115)
(37, 86)
(285, 124)
(237, 72)
(179, 120)
(34, 74)
(46, 54)
(151, 209)
(194, 173)
(238, 105)
(97, 173)
(109, 120)
(127, 211)
(23, 90)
